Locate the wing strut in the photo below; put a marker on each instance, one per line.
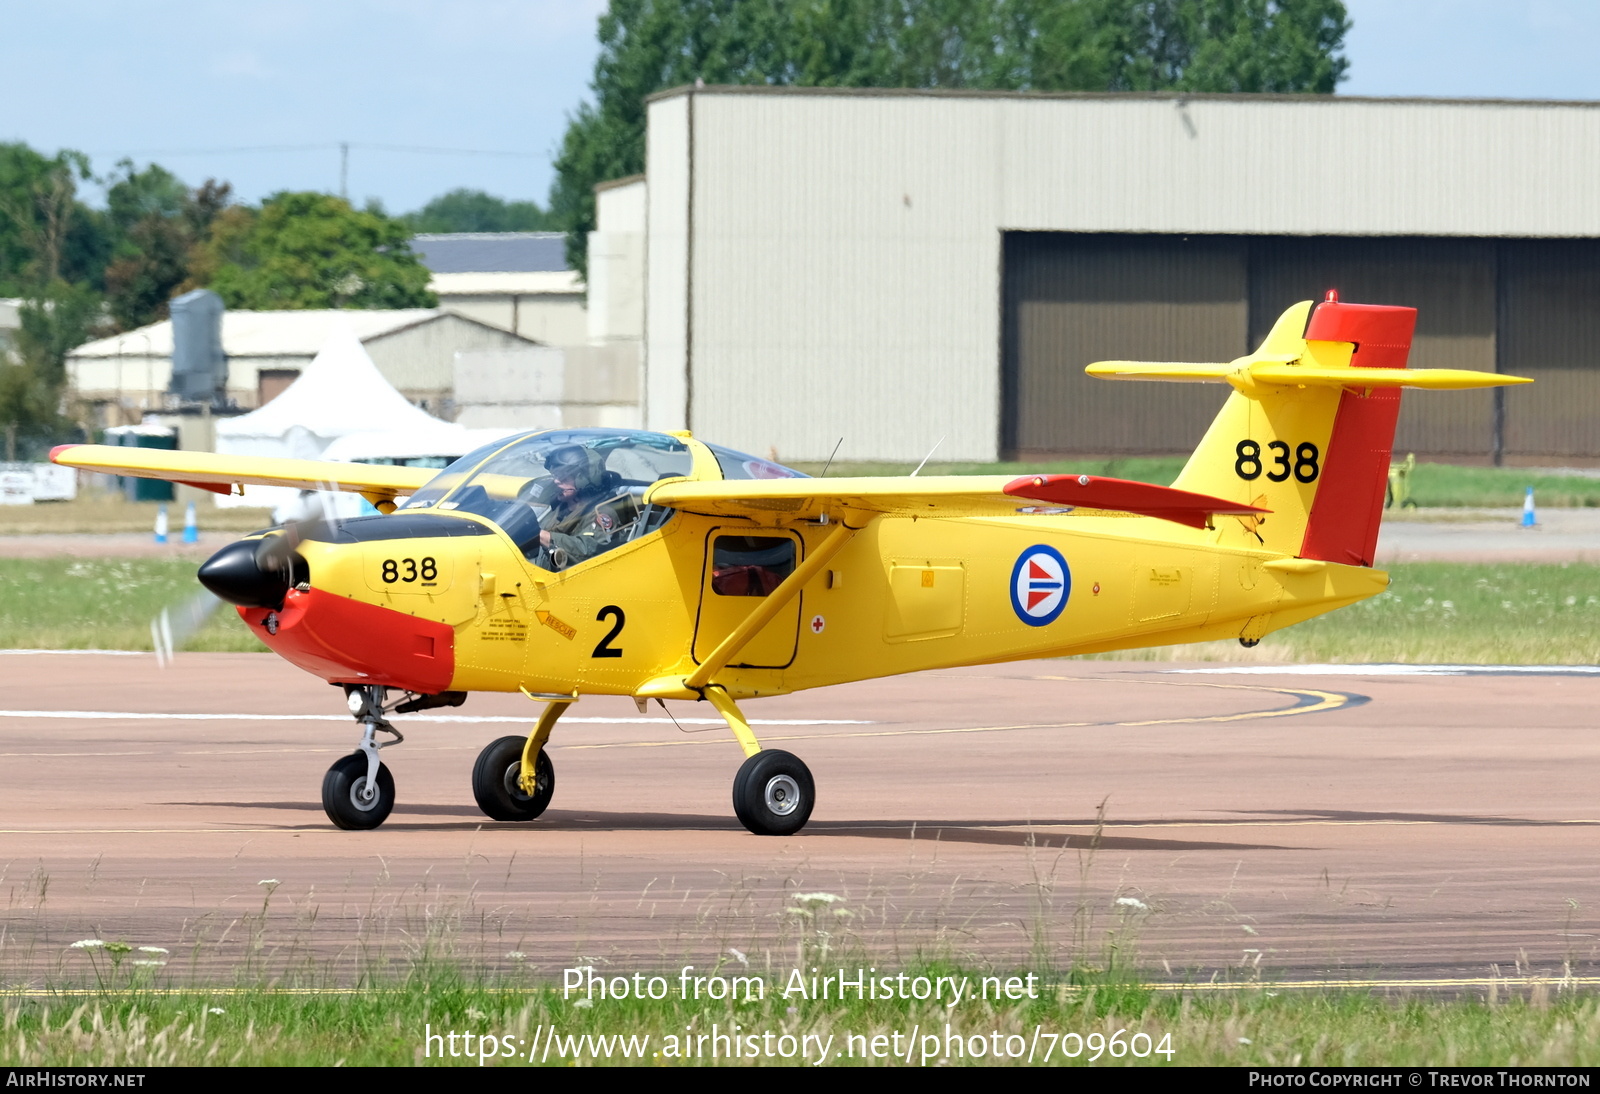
(769, 608)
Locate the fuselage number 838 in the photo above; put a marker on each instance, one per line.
(409, 570)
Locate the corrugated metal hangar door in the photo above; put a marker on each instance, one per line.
(1451, 283)
(1550, 324)
(1072, 299)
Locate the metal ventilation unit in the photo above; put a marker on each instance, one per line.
(199, 367)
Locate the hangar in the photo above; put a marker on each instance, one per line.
(897, 267)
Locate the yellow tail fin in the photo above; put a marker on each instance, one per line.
(1308, 430)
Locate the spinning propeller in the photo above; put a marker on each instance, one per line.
(252, 573)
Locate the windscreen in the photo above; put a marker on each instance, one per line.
(740, 465)
(584, 488)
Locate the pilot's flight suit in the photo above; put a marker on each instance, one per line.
(578, 533)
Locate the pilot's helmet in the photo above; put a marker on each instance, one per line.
(578, 465)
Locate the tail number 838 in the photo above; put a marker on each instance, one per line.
(1278, 465)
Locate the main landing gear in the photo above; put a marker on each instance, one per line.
(773, 793)
(514, 779)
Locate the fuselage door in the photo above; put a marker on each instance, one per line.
(740, 570)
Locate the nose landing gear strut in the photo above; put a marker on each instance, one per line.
(358, 791)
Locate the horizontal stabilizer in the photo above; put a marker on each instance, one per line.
(213, 470)
(1183, 372)
(1141, 498)
(1250, 372)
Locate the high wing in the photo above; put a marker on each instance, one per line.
(221, 473)
(782, 500)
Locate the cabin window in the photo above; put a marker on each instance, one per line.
(750, 565)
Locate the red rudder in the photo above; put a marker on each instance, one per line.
(1344, 519)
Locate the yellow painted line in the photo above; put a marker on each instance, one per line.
(1327, 700)
(1565, 983)
(1321, 701)
(1562, 983)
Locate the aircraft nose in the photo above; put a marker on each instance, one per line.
(251, 573)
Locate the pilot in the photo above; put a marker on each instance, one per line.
(573, 530)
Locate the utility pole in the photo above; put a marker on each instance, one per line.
(344, 170)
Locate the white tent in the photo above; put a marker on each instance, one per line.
(340, 393)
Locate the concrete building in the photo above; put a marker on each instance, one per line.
(415, 349)
(897, 267)
(585, 378)
(518, 281)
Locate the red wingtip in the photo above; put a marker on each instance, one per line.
(60, 448)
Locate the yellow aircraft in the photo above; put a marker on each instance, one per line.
(616, 562)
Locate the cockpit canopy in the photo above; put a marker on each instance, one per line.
(523, 484)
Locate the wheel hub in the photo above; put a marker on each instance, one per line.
(782, 795)
(513, 782)
(363, 795)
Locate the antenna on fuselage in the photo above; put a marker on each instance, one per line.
(929, 456)
(831, 455)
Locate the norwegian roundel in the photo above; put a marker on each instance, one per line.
(1040, 585)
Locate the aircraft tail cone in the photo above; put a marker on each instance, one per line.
(191, 529)
(1528, 518)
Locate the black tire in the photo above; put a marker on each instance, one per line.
(341, 788)
(495, 781)
(773, 793)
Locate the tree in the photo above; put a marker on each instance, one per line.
(475, 211)
(1020, 45)
(156, 225)
(647, 45)
(1284, 46)
(54, 321)
(46, 234)
(308, 250)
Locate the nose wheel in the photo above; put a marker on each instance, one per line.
(773, 793)
(358, 791)
(354, 801)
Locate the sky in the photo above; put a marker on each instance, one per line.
(432, 96)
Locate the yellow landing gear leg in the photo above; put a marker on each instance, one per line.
(735, 718)
(528, 778)
(773, 793)
(514, 779)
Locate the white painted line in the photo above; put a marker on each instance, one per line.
(1396, 670)
(153, 716)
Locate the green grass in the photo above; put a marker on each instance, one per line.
(1259, 1026)
(1440, 613)
(1436, 485)
(1433, 485)
(93, 603)
(1434, 612)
